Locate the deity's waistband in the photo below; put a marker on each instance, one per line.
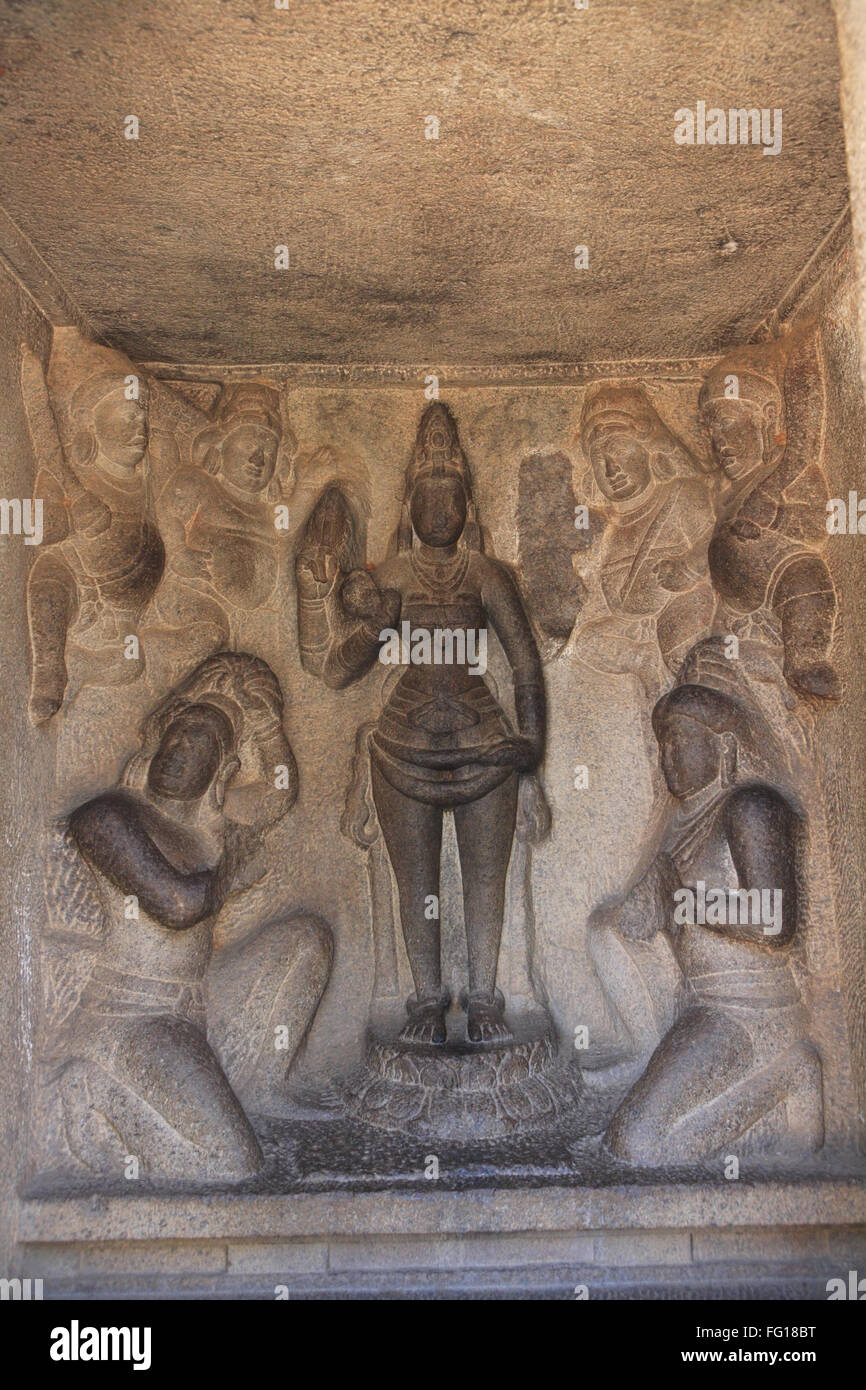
(750, 989)
(117, 993)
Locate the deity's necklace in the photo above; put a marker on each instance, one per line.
(445, 575)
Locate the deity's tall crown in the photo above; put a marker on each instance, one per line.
(437, 449)
(248, 401)
(757, 370)
(81, 373)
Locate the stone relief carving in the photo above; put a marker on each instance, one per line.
(165, 1049)
(218, 518)
(762, 410)
(549, 543)
(103, 555)
(736, 1063)
(442, 742)
(650, 595)
(329, 552)
(160, 1047)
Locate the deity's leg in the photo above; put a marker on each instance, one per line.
(485, 833)
(703, 1091)
(413, 838)
(804, 599)
(156, 1089)
(180, 628)
(685, 620)
(702, 1057)
(615, 645)
(263, 993)
(791, 1080)
(639, 982)
(52, 603)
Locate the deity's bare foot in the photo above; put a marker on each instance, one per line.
(426, 1022)
(816, 678)
(485, 1018)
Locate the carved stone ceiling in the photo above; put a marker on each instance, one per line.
(306, 127)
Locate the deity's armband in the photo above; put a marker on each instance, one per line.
(761, 508)
(350, 658)
(531, 710)
(90, 516)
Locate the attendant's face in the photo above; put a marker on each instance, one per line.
(249, 456)
(439, 510)
(621, 466)
(121, 428)
(736, 429)
(190, 754)
(689, 754)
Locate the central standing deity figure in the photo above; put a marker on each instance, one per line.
(442, 741)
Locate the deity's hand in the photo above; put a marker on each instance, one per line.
(221, 880)
(321, 468)
(745, 530)
(192, 564)
(362, 598)
(606, 916)
(630, 917)
(317, 571)
(515, 752)
(758, 513)
(674, 575)
(259, 683)
(259, 705)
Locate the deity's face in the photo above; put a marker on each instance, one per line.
(621, 466)
(121, 428)
(737, 433)
(439, 509)
(190, 753)
(249, 456)
(689, 753)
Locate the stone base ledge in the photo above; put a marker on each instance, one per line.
(777, 1241)
(743, 1283)
(227, 1216)
(484, 1269)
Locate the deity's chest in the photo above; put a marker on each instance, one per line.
(442, 595)
(241, 550)
(628, 578)
(742, 568)
(709, 957)
(139, 947)
(128, 556)
(708, 861)
(432, 608)
(700, 949)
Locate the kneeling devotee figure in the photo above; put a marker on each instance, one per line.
(442, 742)
(139, 1073)
(725, 884)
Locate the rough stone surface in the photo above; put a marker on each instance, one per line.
(306, 128)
